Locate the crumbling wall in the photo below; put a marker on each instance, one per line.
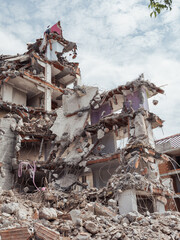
(7, 145)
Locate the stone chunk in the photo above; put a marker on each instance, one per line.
(10, 208)
(100, 134)
(112, 203)
(22, 214)
(91, 227)
(90, 207)
(131, 216)
(83, 236)
(75, 215)
(125, 220)
(48, 213)
(103, 211)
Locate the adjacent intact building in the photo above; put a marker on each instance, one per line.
(170, 171)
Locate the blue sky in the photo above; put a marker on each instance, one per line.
(117, 41)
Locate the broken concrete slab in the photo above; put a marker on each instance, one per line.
(73, 125)
(73, 103)
(140, 126)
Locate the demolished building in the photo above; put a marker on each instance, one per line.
(63, 137)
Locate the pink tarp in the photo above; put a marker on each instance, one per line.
(56, 28)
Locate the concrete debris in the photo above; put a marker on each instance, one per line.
(78, 163)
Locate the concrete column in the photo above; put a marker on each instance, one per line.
(48, 73)
(47, 100)
(48, 76)
(160, 207)
(127, 201)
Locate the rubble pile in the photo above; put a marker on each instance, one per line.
(56, 213)
(29, 121)
(35, 124)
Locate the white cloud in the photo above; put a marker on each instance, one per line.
(9, 44)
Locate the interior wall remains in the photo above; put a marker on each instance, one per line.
(109, 142)
(144, 204)
(30, 151)
(102, 172)
(13, 95)
(97, 114)
(19, 97)
(36, 101)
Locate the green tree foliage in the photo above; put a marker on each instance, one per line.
(158, 5)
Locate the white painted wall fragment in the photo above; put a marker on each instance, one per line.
(56, 47)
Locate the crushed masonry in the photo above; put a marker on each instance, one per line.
(77, 163)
